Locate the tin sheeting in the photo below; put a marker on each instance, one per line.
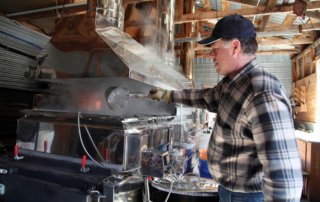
(21, 38)
(19, 46)
(12, 68)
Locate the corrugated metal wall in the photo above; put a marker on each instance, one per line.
(205, 74)
(19, 47)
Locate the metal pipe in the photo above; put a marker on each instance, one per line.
(111, 13)
(46, 9)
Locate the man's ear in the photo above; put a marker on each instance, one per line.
(236, 45)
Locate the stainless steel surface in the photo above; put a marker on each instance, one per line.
(154, 163)
(124, 188)
(189, 185)
(87, 95)
(144, 65)
(110, 13)
(118, 97)
(117, 149)
(152, 66)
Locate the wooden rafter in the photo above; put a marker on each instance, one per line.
(313, 14)
(128, 11)
(125, 2)
(247, 12)
(202, 54)
(72, 11)
(252, 3)
(296, 40)
(269, 31)
(267, 41)
(269, 7)
(224, 5)
(206, 4)
(289, 20)
(139, 23)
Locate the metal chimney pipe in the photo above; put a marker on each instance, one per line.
(110, 14)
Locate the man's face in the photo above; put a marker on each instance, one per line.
(222, 56)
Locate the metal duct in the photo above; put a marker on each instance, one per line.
(110, 13)
(143, 64)
(95, 46)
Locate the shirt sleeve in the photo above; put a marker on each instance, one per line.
(204, 98)
(272, 127)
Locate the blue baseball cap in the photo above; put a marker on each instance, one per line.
(229, 27)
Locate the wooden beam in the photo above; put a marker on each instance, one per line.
(313, 14)
(310, 27)
(200, 9)
(206, 4)
(224, 5)
(139, 23)
(269, 31)
(270, 6)
(278, 52)
(247, 12)
(67, 11)
(33, 27)
(300, 28)
(296, 40)
(289, 20)
(125, 2)
(201, 54)
(267, 41)
(72, 11)
(179, 12)
(128, 11)
(251, 3)
(188, 4)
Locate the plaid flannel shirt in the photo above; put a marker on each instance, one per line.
(252, 147)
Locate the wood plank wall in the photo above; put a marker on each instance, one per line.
(304, 84)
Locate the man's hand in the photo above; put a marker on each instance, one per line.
(160, 94)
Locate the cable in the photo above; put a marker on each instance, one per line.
(94, 146)
(146, 197)
(171, 186)
(83, 146)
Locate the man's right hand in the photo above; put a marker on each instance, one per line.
(160, 94)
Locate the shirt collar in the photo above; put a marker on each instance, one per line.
(245, 71)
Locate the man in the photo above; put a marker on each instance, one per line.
(252, 151)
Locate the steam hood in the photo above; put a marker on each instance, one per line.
(86, 46)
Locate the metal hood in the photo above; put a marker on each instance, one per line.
(90, 53)
(94, 45)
